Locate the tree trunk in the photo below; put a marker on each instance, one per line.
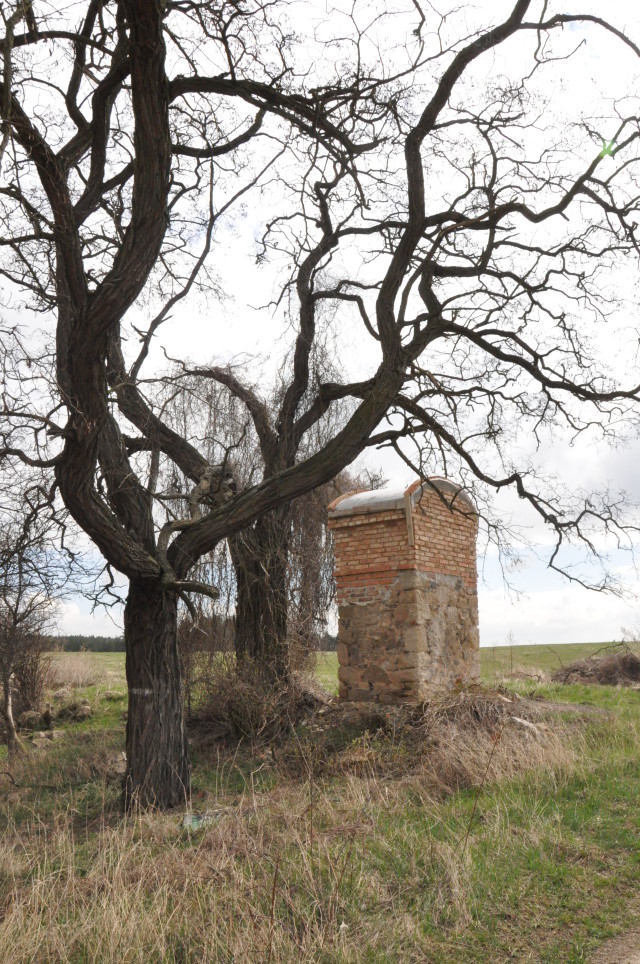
(259, 557)
(13, 743)
(158, 772)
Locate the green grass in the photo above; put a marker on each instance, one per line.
(326, 866)
(327, 671)
(500, 660)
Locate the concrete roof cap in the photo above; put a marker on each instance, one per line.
(393, 498)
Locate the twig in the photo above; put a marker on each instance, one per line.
(273, 908)
(463, 843)
(333, 900)
(39, 786)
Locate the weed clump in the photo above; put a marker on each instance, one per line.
(76, 710)
(242, 706)
(621, 668)
(456, 740)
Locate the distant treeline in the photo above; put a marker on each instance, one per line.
(115, 644)
(91, 644)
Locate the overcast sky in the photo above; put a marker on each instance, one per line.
(540, 606)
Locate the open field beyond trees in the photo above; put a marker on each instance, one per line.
(346, 841)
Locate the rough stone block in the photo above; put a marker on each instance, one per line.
(363, 695)
(377, 676)
(401, 676)
(350, 675)
(343, 654)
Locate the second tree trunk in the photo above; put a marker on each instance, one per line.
(259, 557)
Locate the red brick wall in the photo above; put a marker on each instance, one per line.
(371, 547)
(445, 539)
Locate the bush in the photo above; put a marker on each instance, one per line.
(200, 645)
(245, 706)
(29, 680)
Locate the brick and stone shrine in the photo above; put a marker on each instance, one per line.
(407, 591)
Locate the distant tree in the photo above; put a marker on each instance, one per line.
(33, 576)
(22, 646)
(93, 644)
(440, 224)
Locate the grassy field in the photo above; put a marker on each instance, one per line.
(497, 661)
(501, 660)
(365, 855)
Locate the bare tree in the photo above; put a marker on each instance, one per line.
(283, 567)
(404, 198)
(275, 577)
(283, 562)
(33, 576)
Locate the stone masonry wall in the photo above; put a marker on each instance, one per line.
(408, 614)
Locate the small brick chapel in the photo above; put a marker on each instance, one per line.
(407, 591)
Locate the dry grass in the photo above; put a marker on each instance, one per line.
(458, 741)
(461, 829)
(521, 672)
(300, 870)
(241, 707)
(263, 883)
(73, 670)
(143, 890)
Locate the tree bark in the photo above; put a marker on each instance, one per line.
(13, 743)
(260, 556)
(158, 771)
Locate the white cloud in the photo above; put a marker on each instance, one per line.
(75, 618)
(568, 614)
